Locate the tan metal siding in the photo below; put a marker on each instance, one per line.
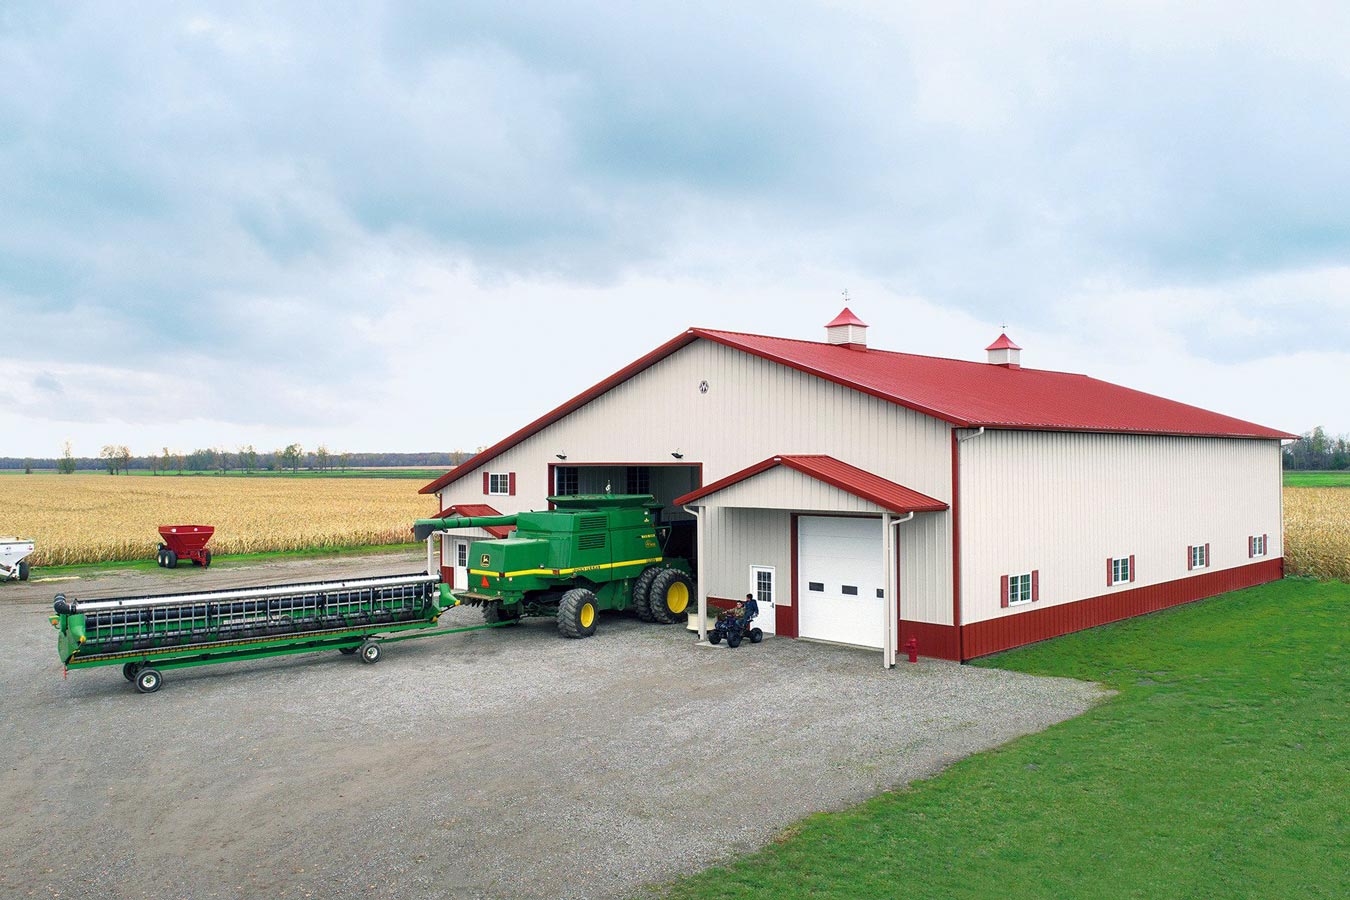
(741, 538)
(1062, 503)
(784, 488)
(752, 410)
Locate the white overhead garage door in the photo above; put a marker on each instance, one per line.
(840, 569)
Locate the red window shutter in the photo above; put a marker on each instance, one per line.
(1251, 546)
(1190, 558)
(485, 484)
(1003, 602)
(1132, 567)
(1207, 563)
(1035, 585)
(1265, 545)
(511, 484)
(1110, 571)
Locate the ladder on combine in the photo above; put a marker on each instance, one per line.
(147, 635)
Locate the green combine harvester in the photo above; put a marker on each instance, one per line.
(591, 554)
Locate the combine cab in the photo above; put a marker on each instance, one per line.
(592, 553)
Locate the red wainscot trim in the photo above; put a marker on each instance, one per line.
(785, 617)
(935, 641)
(1005, 632)
(448, 575)
(717, 604)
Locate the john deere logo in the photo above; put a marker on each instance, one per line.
(483, 560)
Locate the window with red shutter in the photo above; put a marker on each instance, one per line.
(1003, 592)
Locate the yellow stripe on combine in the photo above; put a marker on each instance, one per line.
(614, 565)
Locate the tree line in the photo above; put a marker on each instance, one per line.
(1318, 450)
(117, 459)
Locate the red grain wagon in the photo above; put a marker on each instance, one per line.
(184, 542)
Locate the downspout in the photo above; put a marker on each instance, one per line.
(702, 581)
(957, 440)
(891, 617)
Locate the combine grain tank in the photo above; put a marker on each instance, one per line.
(13, 565)
(593, 552)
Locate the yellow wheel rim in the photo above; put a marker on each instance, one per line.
(677, 598)
(587, 615)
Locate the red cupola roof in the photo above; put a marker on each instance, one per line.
(846, 317)
(1003, 343)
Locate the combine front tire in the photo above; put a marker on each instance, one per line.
(577, 613)
(370, 652)
(670, 595)
(23, 570)
(148, 681)
(642, 589)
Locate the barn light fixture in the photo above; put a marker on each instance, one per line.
(561, 455)
(677, 454)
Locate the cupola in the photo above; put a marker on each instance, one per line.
(1003, 352)
(847, 330)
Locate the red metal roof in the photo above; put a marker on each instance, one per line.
(477, 509)
(846, 317)
(965, 394)
(1003, 343)
(851, 479)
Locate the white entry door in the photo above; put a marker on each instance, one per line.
(460, 549)
(841, 572)
(764, 587)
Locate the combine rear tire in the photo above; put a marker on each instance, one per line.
(148, 681)
(642, 589)
(129, 671)
(577, 613)
(670, 595)
(370, 652)
(170, 559)
(23, 570)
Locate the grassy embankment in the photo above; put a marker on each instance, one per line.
(1317, 479)
(1220, 769)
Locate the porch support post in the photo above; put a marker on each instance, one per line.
(888, 617)
(702, 574)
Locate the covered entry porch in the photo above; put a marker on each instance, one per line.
(830, 551)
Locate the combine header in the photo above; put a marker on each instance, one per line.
(147, 635)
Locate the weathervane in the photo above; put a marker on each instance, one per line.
(846, 296)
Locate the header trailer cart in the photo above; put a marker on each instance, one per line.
(12, 562)
(147, 635)
(184, 542)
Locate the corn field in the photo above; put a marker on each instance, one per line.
(1317, 532)
(98, 518)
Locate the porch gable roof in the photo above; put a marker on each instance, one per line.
(470, 510)
(850, 479)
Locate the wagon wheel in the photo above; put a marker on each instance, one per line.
(23, 570)
(370, 652)
(206, 557)
(129, 670)
(170, 559)
(148, 681)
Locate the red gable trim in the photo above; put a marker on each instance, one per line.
(476, 509)
(827, 469)
(565, 409)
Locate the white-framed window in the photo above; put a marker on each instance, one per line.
(1120, 570)
(462, 554)
(1259, 545)
(499, 483)
(1199, 556)
(763, 583)
(1019, 589)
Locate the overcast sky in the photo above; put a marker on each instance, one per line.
(421, 225)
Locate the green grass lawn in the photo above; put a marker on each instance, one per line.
(1317, 479)
(1220, 769)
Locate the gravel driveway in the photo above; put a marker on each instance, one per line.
(507, 763)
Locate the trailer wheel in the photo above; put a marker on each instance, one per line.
(23, 570)
(129, 671)
(148, 681)
(577, 612)
(642, 589)
(756, 635)
(207, 557)
(370, 652)
(670, 595)
(346, 651)
(170, 559)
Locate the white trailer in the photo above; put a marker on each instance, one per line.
(12, 562)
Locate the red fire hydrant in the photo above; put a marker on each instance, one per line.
(912, 648)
